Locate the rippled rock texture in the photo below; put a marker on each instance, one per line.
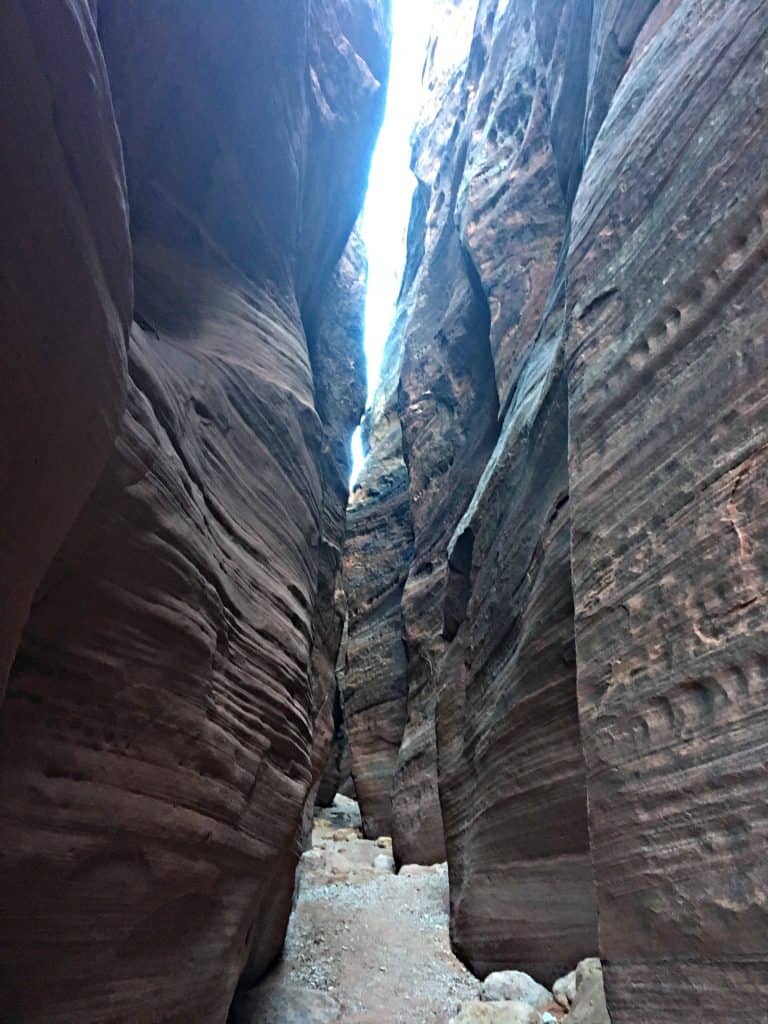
(668, 360)
(168, 713)
(377, 555)
(584, 610)
(65, 290)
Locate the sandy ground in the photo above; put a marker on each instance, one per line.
(365, 946)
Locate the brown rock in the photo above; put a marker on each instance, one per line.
(511, 769)
(604, 343)
(156, 746)
(65, 289)
(376, 559)
(448, 410)
(667, 460)
(336, 353)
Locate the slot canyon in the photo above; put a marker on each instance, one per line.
(474, 730)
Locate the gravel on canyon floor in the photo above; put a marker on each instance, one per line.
(372, 944)
(368, 946)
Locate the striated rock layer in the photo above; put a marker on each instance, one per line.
(489, 631)
(511, 769)
(168, 713)
(668, 359)
(337, 362)
(448, 410)
(584, 609)
(377, 554)
(65, 290)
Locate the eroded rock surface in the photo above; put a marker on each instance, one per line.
(668, 355)
(377, 555)
(487, 606)
(65, 290)
(595, 683)
(448, 411)
(168, 713)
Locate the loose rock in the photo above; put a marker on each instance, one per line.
(589, 1006)
(287, 1004)
(564, 990)
(515, 985)
(507, 1012)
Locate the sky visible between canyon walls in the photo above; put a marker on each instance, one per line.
(391, 182)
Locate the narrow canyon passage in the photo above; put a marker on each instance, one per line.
(440, 696)
(364, 944)
(367, 945)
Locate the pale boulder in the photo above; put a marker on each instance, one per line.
(515, 985)
(506, 1012)
(589, 1006)
(564, 990)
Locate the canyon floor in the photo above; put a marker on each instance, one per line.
(365, 945)
(368, 946)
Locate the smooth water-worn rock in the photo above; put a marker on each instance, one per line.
(168, 712)
(65, 289)
(335, 346)
(602, 604)
(377, 556)
(449, 413)
(511, 769)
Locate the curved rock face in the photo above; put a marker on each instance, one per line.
(596, 661)
(510, 772)
(448, 410)
(65, 290)
(168, 711)
(377, 554)
(337, 361)
(511, 769)
(668, 410)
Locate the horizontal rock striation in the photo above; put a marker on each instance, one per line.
(511, 767)
(449, 412)
(668, 361)
(336, 352)
(583, 613)
(65, 290)
(511, 771)
(377, 554)
(168, 711)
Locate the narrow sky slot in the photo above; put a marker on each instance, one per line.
(390, 187)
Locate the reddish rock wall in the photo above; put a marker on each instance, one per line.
(163, 727)
(65, 290)
(448, 411)
(598, 657)
(376, 558)
(669, 434)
